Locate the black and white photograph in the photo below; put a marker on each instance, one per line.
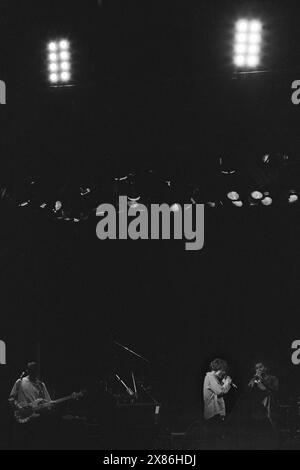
(150, 228)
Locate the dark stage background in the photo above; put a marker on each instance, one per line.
(155, 90)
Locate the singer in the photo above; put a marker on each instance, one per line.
(216, 384)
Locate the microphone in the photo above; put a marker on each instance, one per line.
(22, 375)
(232, 384)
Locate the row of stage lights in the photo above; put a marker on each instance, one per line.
(59, 210)
(246, 52)
(81, 203)
(258, 198)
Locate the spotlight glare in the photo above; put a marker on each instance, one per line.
(254, 38)
(255, 26)
(65, 76)
(241, 38)
(240, 48)
(242, 26)
(252, 61)
(253, 49)
(53, 57)
(293, 198)
(64, 44)
(52, 46)
(256, 195)
(58, 206)
(53, 77)
(267, 201)
(238, 203)
(240, 60)
(247, 46)
(59, 62)
(233, 196)
(64, 55)
(65, 66)
(53, 67)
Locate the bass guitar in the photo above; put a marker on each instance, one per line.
(29, 411)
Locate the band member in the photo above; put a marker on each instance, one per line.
(263, 391)
(216, 384)
(27, 389)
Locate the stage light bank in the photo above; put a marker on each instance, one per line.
(59, 62)
(247, 43)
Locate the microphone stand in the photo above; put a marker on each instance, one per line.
(131, 352)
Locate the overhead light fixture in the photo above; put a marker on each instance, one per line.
(59, 62)
(293, 197)
(233, 196)
(247, 43)
(267, 201)
(257, 195)
(238, 203)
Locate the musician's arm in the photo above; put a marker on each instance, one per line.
(13, 397)
(217, 388)
(46, 393)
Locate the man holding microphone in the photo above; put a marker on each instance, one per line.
(216, 384)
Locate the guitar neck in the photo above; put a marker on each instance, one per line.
(60, 400)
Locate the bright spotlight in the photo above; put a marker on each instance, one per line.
(240, 61)
(58, 206)
(65, 66)
(53, 57)
(267, 201)
(59, 62)
(254, 39)
(52, 46)
(240, 49)
(233, 196)
(255, 26)
(253, 49)
(247, 47)
(53, 67)
(64, 44)
(266, 158)
(293, 197)
(53, 77)
(242, 26)
(256, 195)
(238, 203)
(64, 55)
(65, 76)
(252, 61)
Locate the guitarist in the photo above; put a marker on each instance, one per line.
(25, 391)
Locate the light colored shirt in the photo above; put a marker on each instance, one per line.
(24, 391)
(212, 393)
